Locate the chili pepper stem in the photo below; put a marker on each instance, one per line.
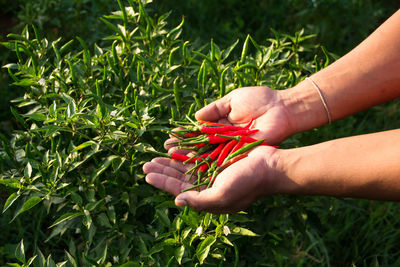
(196, 186)
(163, 154)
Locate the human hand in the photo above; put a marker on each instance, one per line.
(264, 105)
(234, 189)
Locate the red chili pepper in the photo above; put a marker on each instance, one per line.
(244, 138)
(231, 161)
(192, 134)
(202, 170)
(205, 155)
(241, 132)
(213, 155)
(180, 157)
(225, 165)
(185, 158)
(211, 123)
(214, 139)
(249, 124)
(225, 151)
(220, 129)
(199, 145)
(239, 145)
(206, 161)
(221, 124)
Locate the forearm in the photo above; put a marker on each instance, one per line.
(366, 76)
(366, 166)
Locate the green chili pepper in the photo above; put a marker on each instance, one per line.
(244, 149)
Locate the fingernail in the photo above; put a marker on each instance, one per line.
(180, 202)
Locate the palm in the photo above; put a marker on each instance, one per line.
(259, 103)
(234, 189)
(243, 183)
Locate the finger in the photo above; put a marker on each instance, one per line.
(173, 133)
(169, 143)
(175, 164)
(216, 110)
(154, 167)
(175, 149)
(167, 183)
(206, 200)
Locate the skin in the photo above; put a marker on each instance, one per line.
(365, 166)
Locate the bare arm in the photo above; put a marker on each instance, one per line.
(366, 76)
(365, 166)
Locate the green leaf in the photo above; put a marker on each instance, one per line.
(179, 252)
(10, 200)
(225, 240)
(20, 251)
(103, 220)
(83, 145)
(93, 205)
(113, 28)
(30, 203)
(89, 260)
(243, 231)
(11, 66)
(66, 217)
(65, 46)
(191, 219)
(31, 259)
(41, 260)
(130, 264)
(106, 163)
(28, 170)
(12, 183)
(163, 218)
(36, 116)
(71, 259)
(103, 256)
(204, 248)
(18, 117)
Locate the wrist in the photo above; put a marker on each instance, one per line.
(285, 172)
(304, 107)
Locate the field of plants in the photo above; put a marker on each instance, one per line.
(87, 88)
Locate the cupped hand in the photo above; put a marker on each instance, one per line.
(262, 104)
(234, 189)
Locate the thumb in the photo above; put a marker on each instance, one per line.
(216, 110)
(207, 200)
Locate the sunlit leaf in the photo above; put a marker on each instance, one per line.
(204, 248)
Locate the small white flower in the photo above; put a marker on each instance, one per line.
(108, 198)
(80, 188)
(227, 231)
(111, 207)
(21, 181)
(156, 234)
(86, 212)
(116, 259)
(146, 117)
(118, 48)
(199, 231)
(41, 82)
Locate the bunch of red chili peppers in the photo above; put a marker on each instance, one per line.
(215, 146)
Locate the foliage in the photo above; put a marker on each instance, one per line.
(339, 24)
